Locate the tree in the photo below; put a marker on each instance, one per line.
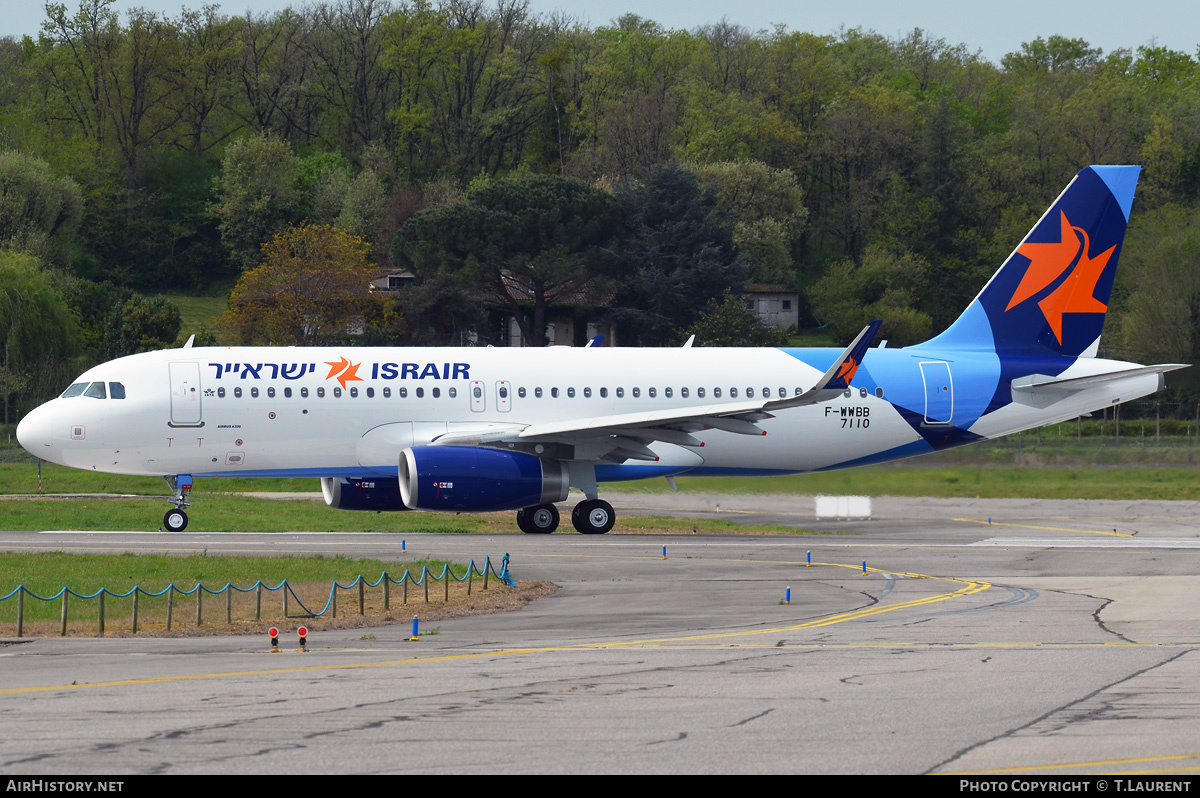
(38, 211)
(256, 194)
(38, 334)
(887, 286)
(677, 254)
(309, 290)
(767, 207)
(528, 240)
(143, 324)
(729, 322)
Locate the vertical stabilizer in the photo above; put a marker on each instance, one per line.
(1050, 296)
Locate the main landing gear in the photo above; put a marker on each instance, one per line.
(176, 520)
(590, 517)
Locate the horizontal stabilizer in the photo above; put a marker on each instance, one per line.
(1040, 383)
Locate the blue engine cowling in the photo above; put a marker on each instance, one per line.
(471, 478)
(373, 493)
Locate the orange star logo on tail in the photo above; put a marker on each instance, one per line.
(847, 370)
(345, 371)
(1048, 261)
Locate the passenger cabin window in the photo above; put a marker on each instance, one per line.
(603, 393)
(303, 393)
(420, 393)
(554, 393)
(700, 392)
(683, 392)
(503, 392)
(320, 393)
(287, 393)
(370, 393)
(116, 390)
(353, 392)
(220, 393)
(717, 393)
(637, 392)
(733, 393)
(337, 393)
(521, 392)
(537, 392)
(74, 390)
(653, 392)
(749, 393)
(571, 393)
(453, 392)
(96, 391)
(587, 393)
(437, 393)
(667, 392)
(387, 393)
(403, 392)
(271, 393)
(237, 393)
(620, 393)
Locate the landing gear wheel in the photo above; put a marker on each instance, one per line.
(175, 521)
(593, 517)
(539, 520)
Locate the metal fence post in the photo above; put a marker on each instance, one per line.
(447, 574)
(387, 592)
(333, 594)
(470, 575)
(170, 604)
(258, 601)
(20, 610)
(63, 624)
(101, 621)
(425, 579)
(405, 582)
(360, 595)
(199, 603)
(136, 590)
(229, 602)
(284, 588)
(487, 566)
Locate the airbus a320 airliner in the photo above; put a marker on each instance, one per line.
(480, 429)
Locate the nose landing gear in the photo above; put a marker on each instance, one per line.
(176, 520)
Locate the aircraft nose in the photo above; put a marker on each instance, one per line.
(35, 431)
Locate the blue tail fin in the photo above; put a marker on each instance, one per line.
(1051, 295)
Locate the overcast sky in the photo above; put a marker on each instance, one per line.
(994, 28)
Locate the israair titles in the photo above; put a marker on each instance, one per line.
(379, 371)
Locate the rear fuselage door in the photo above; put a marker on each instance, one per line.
(478, 401)
(503, 396)
(939, 392)
(185, 395)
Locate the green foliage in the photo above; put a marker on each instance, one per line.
(256, 193)
(535, 239)
(38, 211)
(767, 208)
(887, 286)
(730, 323)
(142, 324)
(678, 255)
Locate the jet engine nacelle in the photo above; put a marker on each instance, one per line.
(472, 478)
(374, 493)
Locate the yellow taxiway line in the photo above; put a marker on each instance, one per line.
(1113, 533)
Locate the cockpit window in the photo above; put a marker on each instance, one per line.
(116, 390)
(74, 390)
(96, 391)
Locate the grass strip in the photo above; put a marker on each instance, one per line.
(45, 573)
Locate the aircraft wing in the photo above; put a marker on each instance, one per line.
(626, 436)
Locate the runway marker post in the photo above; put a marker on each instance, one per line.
(664, 552)
(274, 633)
(415, 634)
(788, 596)
(303, 633)
(864, 570)
(808, 561)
